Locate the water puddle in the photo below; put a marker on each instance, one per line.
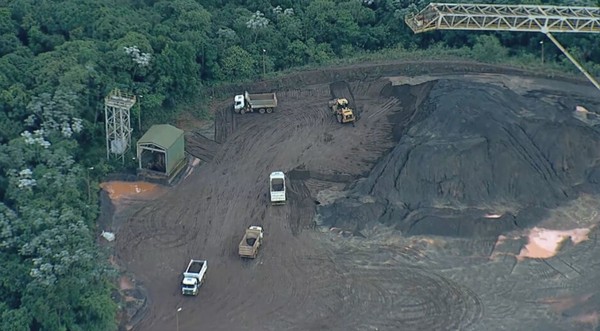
(545, 243)
(121, 189)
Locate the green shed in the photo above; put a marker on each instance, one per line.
(161, 149)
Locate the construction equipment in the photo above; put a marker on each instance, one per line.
(528, 18)
(277, 188)
(193, 277)
(342, 111)
(248, 103)
(251, 242)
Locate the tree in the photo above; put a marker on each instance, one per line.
(488, 48)
(237, 63)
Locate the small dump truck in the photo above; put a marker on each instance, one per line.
(248, 103)
(342, 111)
(193, 277)
(251, 242)
(277, 188)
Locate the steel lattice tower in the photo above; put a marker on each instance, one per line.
(117, 107)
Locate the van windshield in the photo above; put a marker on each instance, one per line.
(277, 184)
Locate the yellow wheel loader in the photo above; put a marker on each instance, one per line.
(342, 111)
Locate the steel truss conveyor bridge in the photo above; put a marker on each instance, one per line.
(521, 18)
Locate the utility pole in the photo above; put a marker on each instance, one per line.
(542, 43)
(140, 113)
(177, 317)
(264, 62)
(89, 185)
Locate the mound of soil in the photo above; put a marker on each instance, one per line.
(473, 159)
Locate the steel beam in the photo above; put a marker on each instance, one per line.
(530, 18)
(521, 18)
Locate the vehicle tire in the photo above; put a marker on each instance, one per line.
(261, 111)
(269, 110)
(339, 118)
(237, 111)
(242, 111)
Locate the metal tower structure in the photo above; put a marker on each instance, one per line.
(522, 18)
(117, 107)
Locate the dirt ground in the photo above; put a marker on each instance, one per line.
(312, 277)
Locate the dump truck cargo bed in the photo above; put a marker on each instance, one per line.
(262, 100)
(251, 242)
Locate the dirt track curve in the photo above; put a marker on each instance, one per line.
(308, 278)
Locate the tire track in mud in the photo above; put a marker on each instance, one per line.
(562, 273)
(226, 123)
(302, 206)
(154, 226)
(403, 297)
(385, 287)
(166, 234)
(200, 146)
(273, 291)
(514, 290)
(250, 134)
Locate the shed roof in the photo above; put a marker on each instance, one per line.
(162, 135)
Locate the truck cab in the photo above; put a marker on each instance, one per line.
(189, 286)
(193, 277)
(277, 188)
(239, 103)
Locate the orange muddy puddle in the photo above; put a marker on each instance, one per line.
(544, 243)
(119, 189)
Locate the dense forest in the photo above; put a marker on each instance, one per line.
(59, 58)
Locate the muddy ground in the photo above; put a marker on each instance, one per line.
(310, 276)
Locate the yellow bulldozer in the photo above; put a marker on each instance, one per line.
(342, 110)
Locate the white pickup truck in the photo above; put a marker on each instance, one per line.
(277, 188)
(193, 277)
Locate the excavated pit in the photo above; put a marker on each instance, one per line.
(473, 160)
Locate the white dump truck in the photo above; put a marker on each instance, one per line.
(193, 277)
(261, 102)
(251, 242)
(277, 188)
